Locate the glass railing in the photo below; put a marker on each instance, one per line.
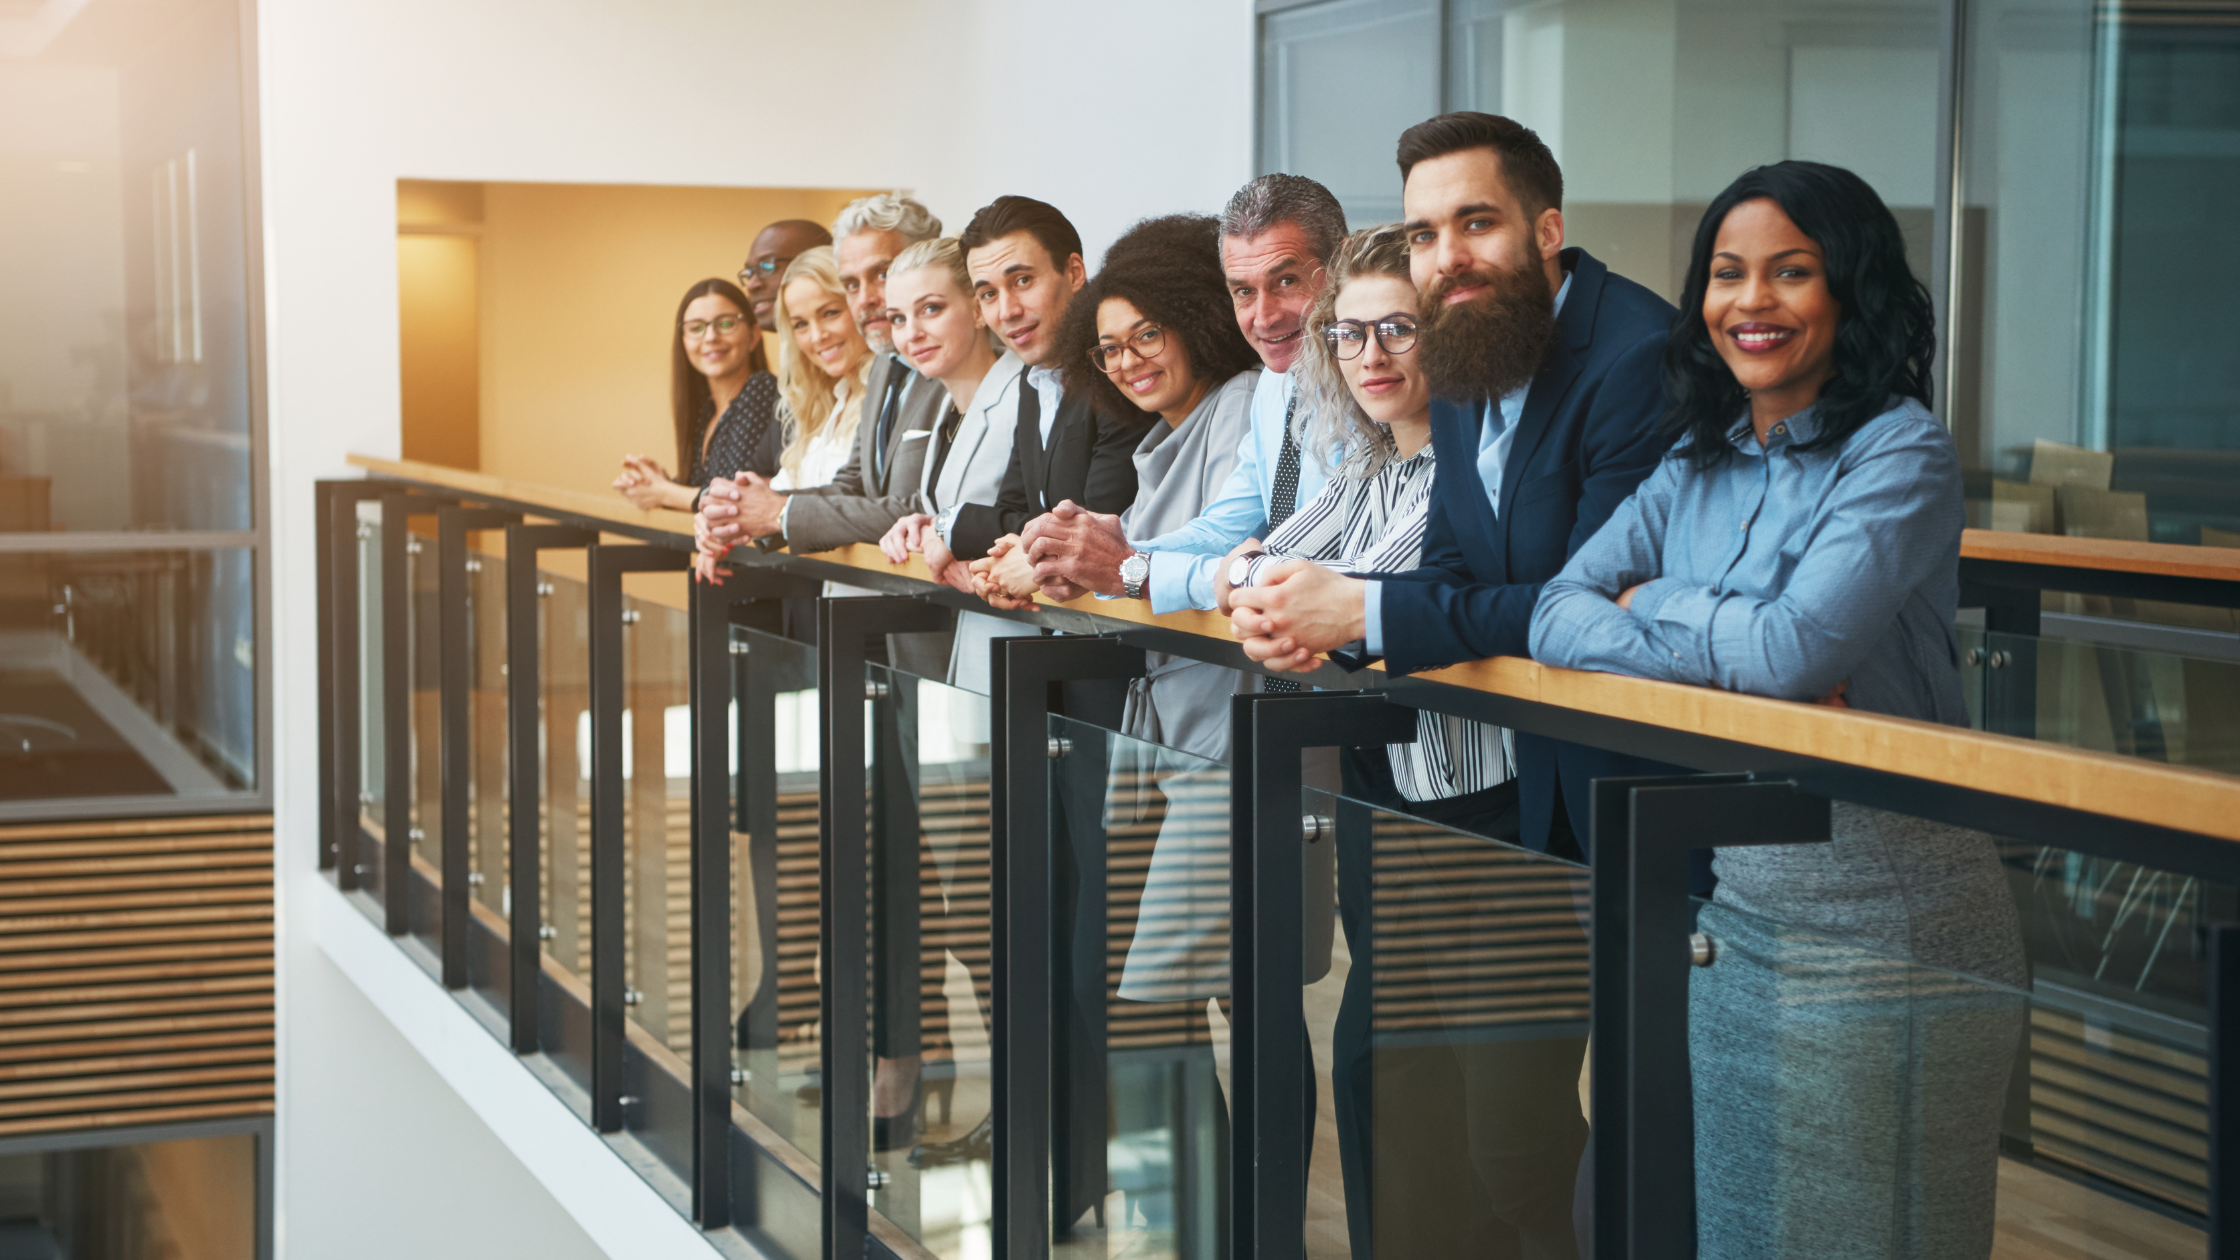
(707, 940)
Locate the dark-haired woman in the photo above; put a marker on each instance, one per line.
(722, 397)
(1803, 542)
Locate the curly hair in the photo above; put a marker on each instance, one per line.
(1329, 417)
(1168, 268)
(1886, 328)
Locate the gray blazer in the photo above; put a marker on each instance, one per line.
(972, 470)
(859, 505)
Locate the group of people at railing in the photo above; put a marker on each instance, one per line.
(1423, 443)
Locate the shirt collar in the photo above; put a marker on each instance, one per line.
(1511, 404)
(1799, 428)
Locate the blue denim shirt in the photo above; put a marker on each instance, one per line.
(1781, 572)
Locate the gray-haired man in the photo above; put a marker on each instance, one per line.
(1277, 233)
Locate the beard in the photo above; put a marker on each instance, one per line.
(1493, 343)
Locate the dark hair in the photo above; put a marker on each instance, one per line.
(1169, 268)
(1011, 213)
(1526, 165)
(689, 397)
(1886, 327)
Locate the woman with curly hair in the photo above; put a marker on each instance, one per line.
(1803, 542)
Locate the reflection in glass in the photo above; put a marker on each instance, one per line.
(189, 1198)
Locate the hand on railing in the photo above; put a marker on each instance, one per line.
(1076, 551)
(649, 486)
(1304, 610)
(944, 565)
(1003, 577)
(905, 536)
(708, 552)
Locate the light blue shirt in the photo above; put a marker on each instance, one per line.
(1497, 432)
(1781, 572)
(1185, 562)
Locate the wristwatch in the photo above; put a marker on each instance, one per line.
(1240, 569)
(1134, 572)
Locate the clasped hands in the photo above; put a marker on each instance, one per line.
(915, 532)
(731, 513)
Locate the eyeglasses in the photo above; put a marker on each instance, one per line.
(695, 329)
(1348, 337)
(767, 268)
(1146, 342)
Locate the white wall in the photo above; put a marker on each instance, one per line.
(1108, 115)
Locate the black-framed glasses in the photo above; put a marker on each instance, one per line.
(1348, 337)
(1146, 342)
(768, 268)
(723, 324)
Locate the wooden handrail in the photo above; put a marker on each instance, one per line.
(2217, 564)
(2181, 798)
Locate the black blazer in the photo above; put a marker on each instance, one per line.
(1590, 432)
(1090, 460)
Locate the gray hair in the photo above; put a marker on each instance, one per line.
(1329, 417)
(1279, 198)
(886, 212)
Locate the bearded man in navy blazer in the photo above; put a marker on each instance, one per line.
(1548, 374)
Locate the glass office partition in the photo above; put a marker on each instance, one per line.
(129, 535)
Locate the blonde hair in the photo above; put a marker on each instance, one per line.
(941, 252)
(1328, 416)
(805, 389)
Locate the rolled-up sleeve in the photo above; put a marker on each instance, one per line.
(1577, 622)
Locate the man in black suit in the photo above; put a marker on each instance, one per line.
(1547, 371)
(1025, 262)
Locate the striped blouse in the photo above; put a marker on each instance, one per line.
(1375, 525)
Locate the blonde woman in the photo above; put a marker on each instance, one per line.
(823, 363)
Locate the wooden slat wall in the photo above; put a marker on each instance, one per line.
(136, 966)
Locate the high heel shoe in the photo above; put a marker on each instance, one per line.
(893, 1133)
(980, 1143)
(944, 1088)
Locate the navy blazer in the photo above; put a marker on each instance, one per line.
(1591, 431)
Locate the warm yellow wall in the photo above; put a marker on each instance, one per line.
(579, 287)
(438, 349)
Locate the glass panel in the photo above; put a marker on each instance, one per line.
(373, 749)
(564, 691)
(487, 864)
(657, 866)
(126, 674)
(1836, 1066)
(2158, 705)
(1345, 138)
(775, 918)
(125, 350)
(1140, 1128)
(191, 1197)
(932, 1001)
(2086, 393)
(1448, 1022)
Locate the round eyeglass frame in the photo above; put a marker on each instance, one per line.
(1098, 353)
(1388, 332)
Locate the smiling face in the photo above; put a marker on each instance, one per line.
(1390, 387)
(1768, 308)
(1022, 293)
(864, 258)
(715, 352)
(773, 248)
(1467, 229)
(1273, 278)
(822, 328)
(1164, 383)
(935, 326)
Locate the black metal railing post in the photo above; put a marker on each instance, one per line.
(607, 563)
(1023, 892)
(524, 793)
(843, 626)
(1642, 829)
(1267, 1022)
(455, 738)
(396, 706)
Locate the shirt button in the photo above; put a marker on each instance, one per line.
(1779, 429)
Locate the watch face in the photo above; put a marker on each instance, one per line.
(1240, 571)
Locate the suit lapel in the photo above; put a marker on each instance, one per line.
(1454, 435)
(1574, 337)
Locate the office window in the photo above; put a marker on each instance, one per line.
(130, 532)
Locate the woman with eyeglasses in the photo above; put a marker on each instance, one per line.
(722, 399)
